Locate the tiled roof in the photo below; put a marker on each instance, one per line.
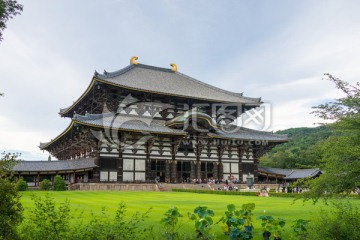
(148, 124)
(163, 80)
(242, 133)
(126, 122)
(51, 166)
(291, 173)
(275, 171)
(303, 173)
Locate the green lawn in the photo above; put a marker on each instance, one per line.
(94, 201)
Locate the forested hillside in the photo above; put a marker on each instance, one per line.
(300, 151)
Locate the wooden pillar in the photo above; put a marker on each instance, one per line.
(74, 174)
(167, 171)
(267, 178)
(193, 170)
(149, 145)
(198, 174)
(173, 150)
(96, 154)
(221, 171)
(38, 179)
(216, 170)
(173, 171)
(256, 174)
(119, 163)
(220, 152)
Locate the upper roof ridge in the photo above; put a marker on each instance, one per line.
(107, 74)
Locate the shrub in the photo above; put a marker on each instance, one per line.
(202, 218)
(21, 185)
(214, 192)
(300, 228)
(47, 221)
(122, 227)
(233, 224)
(45, 184)
(170, 222)
(272, 226)
(340, 222)
(59, 183)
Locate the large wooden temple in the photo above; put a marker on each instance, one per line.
(143, 123)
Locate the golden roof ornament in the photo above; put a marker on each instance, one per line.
(133, 60)
(173, 67)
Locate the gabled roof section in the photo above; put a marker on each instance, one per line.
(242, 133)
(53, 166)
(275, 171)
(291, 173)
(117, 121)
(164, 81)
(303, 173)
(126, 122)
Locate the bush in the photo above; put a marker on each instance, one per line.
(122, 227)
(21, 185)
(45, 184)
(215, 192)
(340, 222)
(11, 210)
(47, 221)
(59, 183)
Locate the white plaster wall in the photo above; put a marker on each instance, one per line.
(140, 165)
(128, 164)
(113, 176)
(234, 168)
(128, 176)
(140, 176)
(226, 168)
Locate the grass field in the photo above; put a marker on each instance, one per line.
(94, 201)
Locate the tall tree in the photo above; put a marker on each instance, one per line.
(340, 152)
(8, 10)
(11, 210)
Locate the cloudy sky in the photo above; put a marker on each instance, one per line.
(278, 50)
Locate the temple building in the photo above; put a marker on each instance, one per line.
(143, 123)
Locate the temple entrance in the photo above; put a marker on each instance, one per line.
(186, 177)
(207, 169)
(157, 170)
(183, 171)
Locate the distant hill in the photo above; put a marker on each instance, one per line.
(299, 152)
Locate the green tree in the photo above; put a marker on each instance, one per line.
(8, 10)
(45, 184)
(11, 210)
(340, 153)
(21, 185)
(300, 151)
(59, 183)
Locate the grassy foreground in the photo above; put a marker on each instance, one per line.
(95, 201)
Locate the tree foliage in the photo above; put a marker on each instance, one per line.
(340, 153)
(11, 210)
(301, 151)
(45, 184)
(47, 221)
(341, 221)
(21, 185)
(59, 183)
(8, 10)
